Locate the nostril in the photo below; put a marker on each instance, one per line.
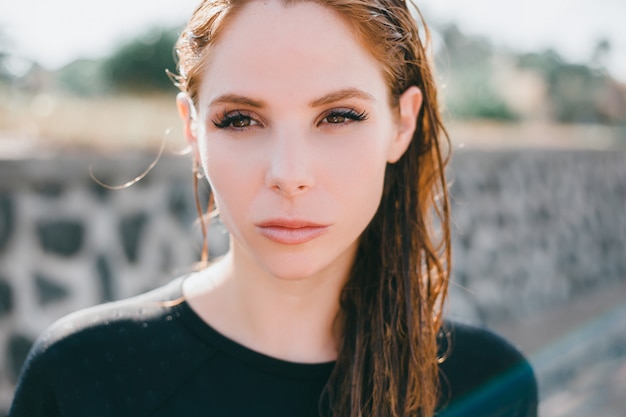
(290, 190)
(289, 175)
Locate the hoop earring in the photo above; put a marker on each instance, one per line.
(202, 215)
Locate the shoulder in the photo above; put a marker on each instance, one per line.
(113, 348)
(112, 322)
(482, 374)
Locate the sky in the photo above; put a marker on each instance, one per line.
(54, 33)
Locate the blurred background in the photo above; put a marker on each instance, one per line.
(506, 69)
(534, 95)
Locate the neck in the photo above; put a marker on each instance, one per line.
(291, 319)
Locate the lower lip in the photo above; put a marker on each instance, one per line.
(291, 236)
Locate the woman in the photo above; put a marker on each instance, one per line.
(316, 125)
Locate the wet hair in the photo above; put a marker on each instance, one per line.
(391, 305)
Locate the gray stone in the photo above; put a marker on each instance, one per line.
(7, 219)
(61, 237)
(6, 298)
(166, 259)
(49, 291)
(131, 228)
(105, 278)
(98, 190)
(49, 189)
(180, 203)
(17, 350)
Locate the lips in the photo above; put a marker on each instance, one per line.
(291, 231)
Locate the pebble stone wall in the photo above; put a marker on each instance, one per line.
(534, 232)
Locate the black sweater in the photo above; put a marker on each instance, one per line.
(152, 356)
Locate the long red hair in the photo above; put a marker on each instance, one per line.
(391, 306)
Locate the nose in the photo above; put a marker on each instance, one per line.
(290, 166)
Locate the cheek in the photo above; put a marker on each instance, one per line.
(364, 157)
(228, 177)
(358, 178)
(368, 190)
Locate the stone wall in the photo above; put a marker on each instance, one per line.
(538, 234)
(535, 229)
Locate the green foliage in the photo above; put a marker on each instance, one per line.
(83, 78)
(5, 75)
(573, 92)
(576, 92)
(471, 93)
(140, 64)
(476, 98)
(462, 51)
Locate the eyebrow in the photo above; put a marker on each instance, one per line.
(344, 94)
(330, 98)
(237, 99)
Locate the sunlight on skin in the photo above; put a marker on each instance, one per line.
(297, 171)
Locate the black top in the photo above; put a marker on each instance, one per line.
(152, 356)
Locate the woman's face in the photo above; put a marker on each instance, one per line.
(294, 131)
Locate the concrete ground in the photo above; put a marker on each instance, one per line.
(578, 351)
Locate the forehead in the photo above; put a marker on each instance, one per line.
(303, 49)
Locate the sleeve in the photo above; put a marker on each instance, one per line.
(483, 375)
(34, 395)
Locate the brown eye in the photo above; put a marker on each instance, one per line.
(241, 122)
(335, 119)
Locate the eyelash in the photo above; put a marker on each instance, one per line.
(349, 114)
(227, 119)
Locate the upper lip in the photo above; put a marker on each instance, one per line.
(290, 223)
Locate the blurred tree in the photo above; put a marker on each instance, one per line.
(470, 91)
(4, 56)
(84, 78)
(464, 51)
(576, 91)
(140, 65)
(13, 68)
(601, 52)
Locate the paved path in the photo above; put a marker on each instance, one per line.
(579, 354)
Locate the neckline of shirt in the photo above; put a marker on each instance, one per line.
(190, 319)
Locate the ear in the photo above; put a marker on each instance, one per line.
(409, 105)
(187, 113)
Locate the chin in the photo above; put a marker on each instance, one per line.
(300, 266)
(293, 270)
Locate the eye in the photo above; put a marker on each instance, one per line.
(235, 120)
(341, 116)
